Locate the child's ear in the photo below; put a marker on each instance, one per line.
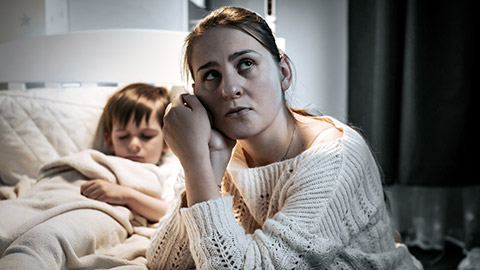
(165, 147)
(108, 140)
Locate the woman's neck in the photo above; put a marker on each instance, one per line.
(275, 143)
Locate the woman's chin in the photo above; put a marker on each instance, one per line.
(238, 135)
(237, 131)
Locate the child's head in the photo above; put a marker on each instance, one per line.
(133, 121)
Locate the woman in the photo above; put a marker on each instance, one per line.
(300, 192)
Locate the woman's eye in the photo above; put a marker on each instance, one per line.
(245, 64)
(211, 75)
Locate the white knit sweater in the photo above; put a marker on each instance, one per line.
(323, 209)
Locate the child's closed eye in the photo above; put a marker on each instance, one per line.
(123, 137)
(148, 137)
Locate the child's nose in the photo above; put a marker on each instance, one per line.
(134, 144)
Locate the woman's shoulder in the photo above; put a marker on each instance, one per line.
(343, 161)
(329, 142)
(351, 154)
(326, 129)
(337, 145)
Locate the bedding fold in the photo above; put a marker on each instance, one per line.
(91, 230)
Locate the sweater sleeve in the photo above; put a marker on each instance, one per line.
(169, 245)
(330, 216)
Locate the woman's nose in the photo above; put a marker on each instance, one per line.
(231, 88)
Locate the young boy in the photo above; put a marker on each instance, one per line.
(132, 125)
(70, 217)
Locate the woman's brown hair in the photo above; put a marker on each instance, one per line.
(244, 20)
(239, 18)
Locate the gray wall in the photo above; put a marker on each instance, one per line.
(315, 32)
(143, 14)
(316, 40)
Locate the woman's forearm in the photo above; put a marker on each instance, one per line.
(200, 182)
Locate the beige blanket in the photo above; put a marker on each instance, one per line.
(52, 226)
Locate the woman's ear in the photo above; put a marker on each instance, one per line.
(286, 73)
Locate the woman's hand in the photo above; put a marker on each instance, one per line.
(203, 151)
(189, 134)
(105, 191)
(187, 129)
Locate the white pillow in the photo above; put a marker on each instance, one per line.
(41, 125)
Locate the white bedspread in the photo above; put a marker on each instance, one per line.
(52, 226)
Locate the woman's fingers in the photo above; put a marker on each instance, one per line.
(177, 100)
(192, 102)
(186, 113)
(185, 118)
(185, 103)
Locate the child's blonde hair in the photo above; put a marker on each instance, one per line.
(137, 100)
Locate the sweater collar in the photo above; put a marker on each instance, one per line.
(239, 161)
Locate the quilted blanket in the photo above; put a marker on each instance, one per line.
(41, 125)
(52, 226)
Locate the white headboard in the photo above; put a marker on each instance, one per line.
(53, 89)
(104, 57)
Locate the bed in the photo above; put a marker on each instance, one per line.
(52, 91)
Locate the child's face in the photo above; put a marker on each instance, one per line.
(143, 143)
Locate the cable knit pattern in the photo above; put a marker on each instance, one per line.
(323, 209)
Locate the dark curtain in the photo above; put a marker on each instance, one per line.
(410, 88)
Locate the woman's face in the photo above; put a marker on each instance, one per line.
(237, 80)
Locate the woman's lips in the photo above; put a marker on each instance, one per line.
(236, 112)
